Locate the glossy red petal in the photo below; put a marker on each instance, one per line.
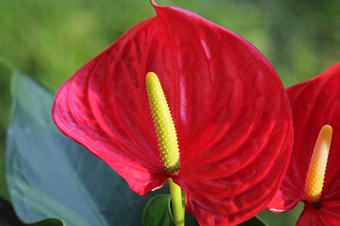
(230, 110)
(234, 129)
(104, 107)
(318, 217)
(314, 103)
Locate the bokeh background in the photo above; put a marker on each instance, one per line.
(50, 39)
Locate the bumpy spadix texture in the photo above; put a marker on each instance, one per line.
(231, 113)
(165, 128)
(315, 103)
(317, 166)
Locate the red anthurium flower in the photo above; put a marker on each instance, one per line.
(229, 108)
(314, 103)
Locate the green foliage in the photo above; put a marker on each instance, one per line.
(52, 39)
(49, 175)
(157, 211)
(281, 219)
(48, 222)
(8, 217)
(6, 69)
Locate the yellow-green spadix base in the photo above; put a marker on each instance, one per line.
(164, 125)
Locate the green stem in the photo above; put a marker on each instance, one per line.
(178, 208)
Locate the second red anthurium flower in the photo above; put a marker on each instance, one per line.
(229, 108)
(313, 174)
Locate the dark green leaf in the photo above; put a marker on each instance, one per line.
(252, 222)
(281, 219)
(48, 222)
(156, 212)
(190, 220)
(7, 214)
(50, 176)
(8, 217)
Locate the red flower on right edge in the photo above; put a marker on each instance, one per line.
(314, 103)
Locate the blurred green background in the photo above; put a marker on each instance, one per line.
(50, 39)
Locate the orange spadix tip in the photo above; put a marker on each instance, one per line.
(317, 166)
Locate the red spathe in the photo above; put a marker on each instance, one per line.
(230, 110)
(314, 103)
